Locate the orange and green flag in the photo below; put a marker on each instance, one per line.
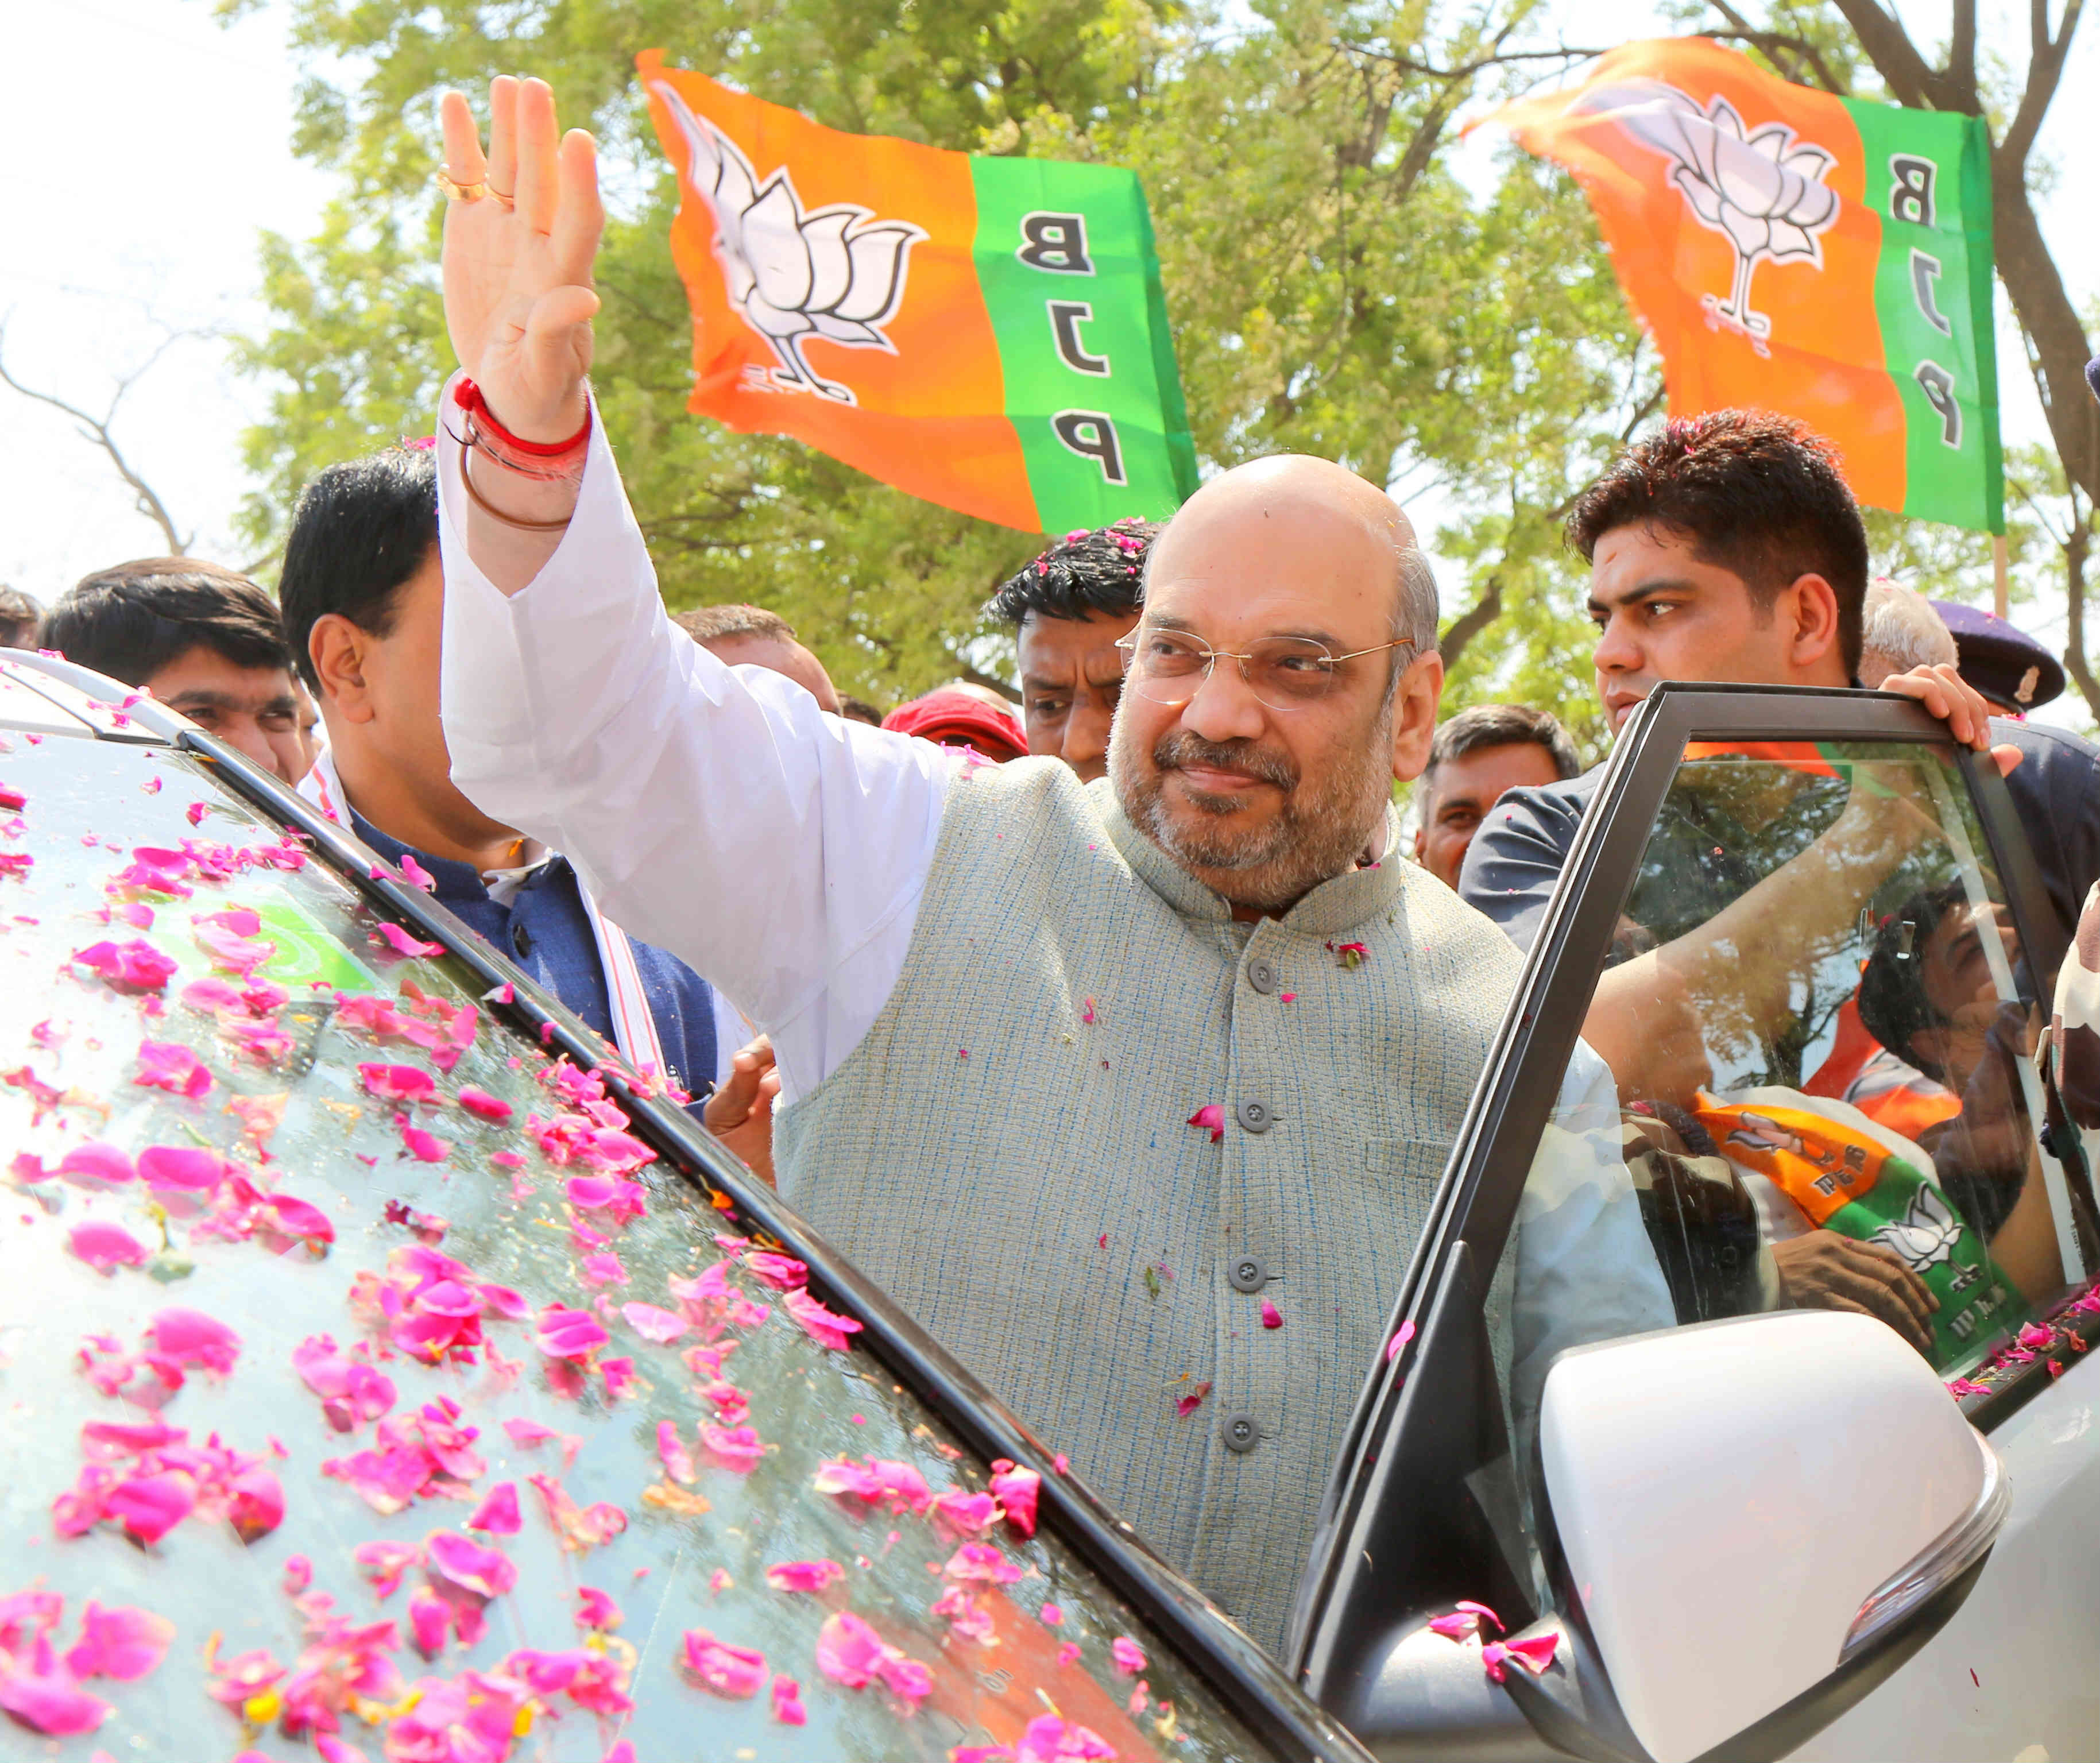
(1789, 250)
(987, 333)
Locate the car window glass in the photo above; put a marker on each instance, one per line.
(1805, 1078)
(365, 1349)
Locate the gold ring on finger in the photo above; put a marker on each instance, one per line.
(503, 197)
(457, 192)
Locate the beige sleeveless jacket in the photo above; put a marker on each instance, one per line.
(1009, 1152)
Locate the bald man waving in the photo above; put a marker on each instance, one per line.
(1037, 1039)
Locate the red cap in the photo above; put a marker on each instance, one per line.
(956, 719)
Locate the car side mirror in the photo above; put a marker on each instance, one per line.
(1745, 1505)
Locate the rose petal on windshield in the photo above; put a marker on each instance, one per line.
(105, 1246)
(595, 1609)
(1049, 1739)
(498, 1513)
(169, 1065)
(425, 1146)
(736, 1448)
(41, 1695)
(122, 1642)
(86, 1165)
(136, 966)
(827, 1327)
(787, 1702)
(487, 1572)
(403, 944)
(1017, 1491)
(398, 1083)
(1128, 1656)
(803, 1576)
(565, 1333)
(782, 1272)
(484, 1106)
(652, 1324)
(735, 1671)
(193, 1168)
(191, 1338)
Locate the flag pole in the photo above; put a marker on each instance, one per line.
(1998, 574)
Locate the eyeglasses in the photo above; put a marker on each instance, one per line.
(1283, 672)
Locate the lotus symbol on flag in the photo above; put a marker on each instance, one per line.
(1762, 191)
(836, 273)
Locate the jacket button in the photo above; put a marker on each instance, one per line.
(1254, 1116)
(1249, 1273)
(1261, 974)
(1242, 1432)
(521, 940)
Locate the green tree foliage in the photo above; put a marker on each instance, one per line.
(1337, 286)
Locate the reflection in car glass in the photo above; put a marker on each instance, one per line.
(377, 1384)
(1806, 1068)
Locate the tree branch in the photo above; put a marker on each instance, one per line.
(1468, 625)
(2044, 73)
(1908, 76)
(96, 429)
(1779, 46)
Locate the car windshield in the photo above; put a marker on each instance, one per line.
(372, 1385)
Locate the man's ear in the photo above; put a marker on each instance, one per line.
(1414, 716)
(1421, 833)
(339, 650)
(1811, 606)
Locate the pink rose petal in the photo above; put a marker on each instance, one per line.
(803, 1576)
(735, 1671)
(403, 944)
(124, 1643)
(498, 1514)
(487, 1572)
(105, 1246)
(826, 1327)
(787, 1702)
(169, 1065)
(191, 1338)
(484, 1106)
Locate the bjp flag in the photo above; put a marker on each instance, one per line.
(1788, 250)
(987, 333)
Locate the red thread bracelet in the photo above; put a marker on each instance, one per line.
(467, 396)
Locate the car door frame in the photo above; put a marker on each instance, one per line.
(1394, 1540)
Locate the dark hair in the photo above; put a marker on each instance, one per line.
(1083, 573)
(1755, 493)
(19, 615)
(361, 530)
(131, 621)
(717, 624)
(1486, 725)
(1894, 1005)
(860, 710)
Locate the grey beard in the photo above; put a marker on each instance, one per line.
(1318, 834)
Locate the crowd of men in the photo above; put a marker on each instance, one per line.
(990, 952)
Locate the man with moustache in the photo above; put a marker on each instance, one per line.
(1038, 1038)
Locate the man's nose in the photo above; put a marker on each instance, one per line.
(1085, 746)
(1617, 652)
(1224, 707)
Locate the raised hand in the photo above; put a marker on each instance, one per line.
(518, 301)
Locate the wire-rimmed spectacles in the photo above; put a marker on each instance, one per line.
(1169, 667)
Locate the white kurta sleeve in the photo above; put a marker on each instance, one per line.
(715, 812)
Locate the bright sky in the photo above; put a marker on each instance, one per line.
(148, 147)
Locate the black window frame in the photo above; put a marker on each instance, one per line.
(1398, 1536)
(1245, 1678)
